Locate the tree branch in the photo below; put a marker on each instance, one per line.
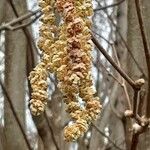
(122, 73)
(125, 43)
(8, 26)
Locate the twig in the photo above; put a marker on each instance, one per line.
(25, 30)
(146, 50)
(135, 99)
(123, 81)
(26, 24)
(103, 134)
(102, 37)
(108, 73)
(109, 6)
(15, 115)
(125, 43)
(8, 26)
(122, 73)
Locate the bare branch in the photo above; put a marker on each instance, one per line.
(122, 73)
(8, 26)
(26, 24)
(125, 43)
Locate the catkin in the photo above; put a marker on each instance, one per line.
(69, 57)
(38, 77)
(77, 82)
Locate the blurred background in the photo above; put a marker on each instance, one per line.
(116, 27)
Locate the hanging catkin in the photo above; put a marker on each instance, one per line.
(70, 59)
(38, 77)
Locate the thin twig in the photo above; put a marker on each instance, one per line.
(108, 57)
(135, 137)
(123, 81)
(102, 37)
(8, 26)
(103, 134)
(108, 73)
(26, 24)
(125, 43)
(25, 30)
(15, 115)
(109, 6)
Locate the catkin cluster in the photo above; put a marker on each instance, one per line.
(69, 57)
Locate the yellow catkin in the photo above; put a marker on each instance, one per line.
(77, 82)
(69, 57)
(38, 77)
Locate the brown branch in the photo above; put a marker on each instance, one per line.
(15, 115)
(125, 43)
(9, 25)
(146, 50)
(25, 30)
(109, 6)
(26, 24)
(112, 62)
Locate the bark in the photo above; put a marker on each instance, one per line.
(2, 10)
(2, 14)
(1, 138)
(135, 44)
(15, 75)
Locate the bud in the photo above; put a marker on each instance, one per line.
(128, 113)
(136, 128)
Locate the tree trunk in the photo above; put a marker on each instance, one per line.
(2, 8)
(15, 75)
(136, 45)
